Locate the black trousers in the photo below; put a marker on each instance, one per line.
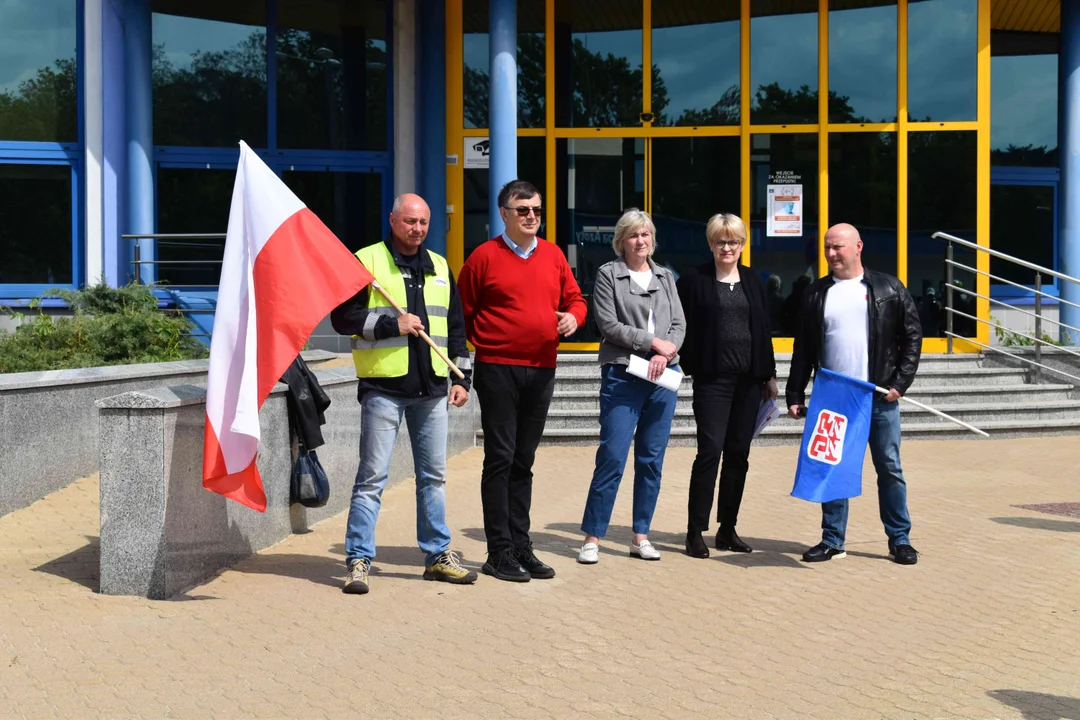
(514, 402)
(725, 408)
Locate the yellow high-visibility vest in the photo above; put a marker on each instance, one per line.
(390, 357)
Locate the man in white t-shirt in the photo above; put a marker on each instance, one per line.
(863, 324)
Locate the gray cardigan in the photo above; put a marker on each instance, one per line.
(621, 309)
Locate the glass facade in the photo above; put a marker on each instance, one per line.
(36, 228)
(209, 74)
(784, 62)
(647, 101)
(40, 146)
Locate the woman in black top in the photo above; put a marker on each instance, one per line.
(728, 351)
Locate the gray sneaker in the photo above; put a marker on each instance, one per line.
(356, 583)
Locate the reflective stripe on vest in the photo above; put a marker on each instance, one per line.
(390, 357)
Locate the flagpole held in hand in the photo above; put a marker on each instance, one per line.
(423, 335)
(961, 423)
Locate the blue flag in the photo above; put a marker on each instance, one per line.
(834, 439)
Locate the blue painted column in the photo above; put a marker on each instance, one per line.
(139, 124)
(431, 109)
(503, 106)
(1069, 149)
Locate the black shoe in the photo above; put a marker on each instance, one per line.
(904, 555)
(533, 565)
(504, 566)
(731, 541)
(822, 552)
(695, 546)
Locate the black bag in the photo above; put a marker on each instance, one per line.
(310, 486)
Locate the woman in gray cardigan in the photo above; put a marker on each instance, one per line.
(637, 308)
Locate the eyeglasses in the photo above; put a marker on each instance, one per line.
(727, 243)
(524, 210)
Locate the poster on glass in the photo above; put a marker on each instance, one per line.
(785, 210)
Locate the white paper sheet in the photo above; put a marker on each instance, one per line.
(639, 367)
(767, 412)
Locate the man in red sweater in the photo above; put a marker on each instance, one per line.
(519, 296)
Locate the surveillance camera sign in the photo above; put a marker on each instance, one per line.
(477, 153)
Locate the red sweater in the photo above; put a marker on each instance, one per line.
(510, 302)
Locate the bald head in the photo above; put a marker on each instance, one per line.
(843, 251)
(409, 220)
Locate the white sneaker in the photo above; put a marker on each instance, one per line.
(589, 555)
(645, 550)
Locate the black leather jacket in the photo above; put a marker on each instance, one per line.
(895, 341)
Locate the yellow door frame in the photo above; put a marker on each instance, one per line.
(456, 134)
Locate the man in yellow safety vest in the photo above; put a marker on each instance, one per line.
(400, 376)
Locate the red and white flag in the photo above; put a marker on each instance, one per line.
(283, 272)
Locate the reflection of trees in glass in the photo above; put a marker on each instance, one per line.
(45, 108)
(1025, 156)
(607, 93)
(219, 97)
(331, 94)
(216, 99)
(606, 90)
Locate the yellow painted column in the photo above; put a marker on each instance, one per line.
(982, 203)
(902, 141)
(823, 132)
(744, 120)
(455, 113)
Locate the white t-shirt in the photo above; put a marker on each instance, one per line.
(846, 318)
(642, 278)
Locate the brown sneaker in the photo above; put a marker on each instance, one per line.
(356, 582)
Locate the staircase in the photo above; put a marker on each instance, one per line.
(999, 400)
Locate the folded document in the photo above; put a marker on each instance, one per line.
(639, 367)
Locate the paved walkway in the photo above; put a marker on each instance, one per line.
(987, 625)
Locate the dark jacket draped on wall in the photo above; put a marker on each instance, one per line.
(701, 350)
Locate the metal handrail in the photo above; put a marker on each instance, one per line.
(1014, 308)
(1036, 338)
(970, 269)
(1003, 256)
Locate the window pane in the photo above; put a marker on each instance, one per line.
(1024, 110)
(696, 75)
(693, 179)
(530, 59)
(862, 192)
(1022, 225)
(862, 61)
(941, 198)
(38, 97)
(531, 167)
(598, 178)
(192, 201)
(350, 203)
(331, 74)
(598, 81)
(942, 57)
(781, 159)
(209, 73)
(784, 63)
(35, 224)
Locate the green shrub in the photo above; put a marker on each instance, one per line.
(110, 326)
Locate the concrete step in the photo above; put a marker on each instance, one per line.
(930, 395)
(792, 434)
(569, 363)
(589, 379)
(974, 414)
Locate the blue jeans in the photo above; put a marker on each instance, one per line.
(630, 409)
(380, 418)
(892, 491)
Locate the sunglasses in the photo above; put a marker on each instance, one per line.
(524, 210)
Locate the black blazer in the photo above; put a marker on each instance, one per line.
(700, 352)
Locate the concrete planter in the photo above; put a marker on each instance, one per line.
(49, 423)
